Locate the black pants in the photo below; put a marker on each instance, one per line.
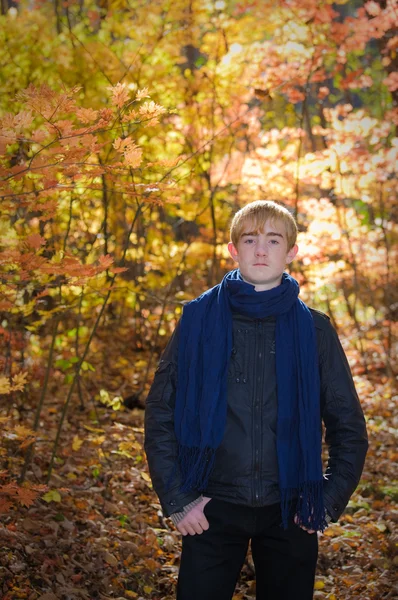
(285, 561)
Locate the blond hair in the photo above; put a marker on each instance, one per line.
(257, 214)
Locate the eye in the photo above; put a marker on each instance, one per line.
(275, 242)
(249, 241)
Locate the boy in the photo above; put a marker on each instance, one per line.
(233, 422)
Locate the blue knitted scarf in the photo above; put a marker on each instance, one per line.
(205, 345)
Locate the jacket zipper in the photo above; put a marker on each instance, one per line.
(257, 414)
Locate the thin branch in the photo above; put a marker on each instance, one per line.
(86, 349)
(39, 408)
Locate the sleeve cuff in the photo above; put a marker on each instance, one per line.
(178, 516)
(328, 518)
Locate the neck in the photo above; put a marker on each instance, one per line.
(264, 287)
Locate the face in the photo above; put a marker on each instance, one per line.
(262, 256)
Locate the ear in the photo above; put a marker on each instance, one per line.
(233, 251)
(291, 254)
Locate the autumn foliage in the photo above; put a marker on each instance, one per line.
(130, 132)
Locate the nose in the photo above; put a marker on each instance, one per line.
(261, 249)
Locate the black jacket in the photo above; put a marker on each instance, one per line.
(245, 469)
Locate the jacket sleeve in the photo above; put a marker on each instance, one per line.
(160, 439)
(344, 422)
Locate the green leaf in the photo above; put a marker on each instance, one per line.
(63, 364)
(122, 520)
(86, 366)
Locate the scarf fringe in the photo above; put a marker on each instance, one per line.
(195, 467)
(309, 509)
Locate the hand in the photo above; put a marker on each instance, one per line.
(302, 526)
(194, 521)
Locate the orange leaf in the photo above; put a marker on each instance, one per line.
(105, 261)
(86, 115)
(10, 489)
(5, 505)
(34, 240)
(120, 94)
(133, 157)
(26, 497)
(142, 94)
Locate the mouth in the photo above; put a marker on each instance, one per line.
(260, 265)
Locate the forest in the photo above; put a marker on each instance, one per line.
(131, 131)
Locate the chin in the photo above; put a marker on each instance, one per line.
(253, 280)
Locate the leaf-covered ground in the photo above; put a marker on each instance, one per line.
(105, 537)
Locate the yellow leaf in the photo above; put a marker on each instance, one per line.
(140, 363)
(77, 443)
(145, 477)
(52, 496)
(147, 589)
(117, 403)
(19, 381)
(5, 386)
(319, 585)
(125, 446)
(104, 397)
(111, 559)
(94, 429)
(23, 432)
(333, 530)
(98, 440)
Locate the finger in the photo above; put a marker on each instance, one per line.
(198, 528)
(307, 530)
(194, 523)
(181, 529)
(296, 520)
(190, 529)
(204, 523)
